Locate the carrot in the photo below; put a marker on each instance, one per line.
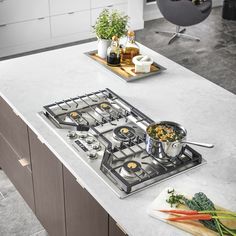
(179, 211)
(191, 217)
(200, 217)
(192, 212)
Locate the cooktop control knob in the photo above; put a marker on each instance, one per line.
(96, 146)
(89, 140)
(92, 154)
(72, 135)
(83, 135)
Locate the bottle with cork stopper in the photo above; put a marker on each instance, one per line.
(130, 50)
(113, 52)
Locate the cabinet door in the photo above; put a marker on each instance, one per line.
(19, 174)
(105, 3)
(95, 12)
(84, 216)
(71, 23)
(48, 187)
(14, 130)
(12, 11)
(24, 32)
(115, 229)
(65, 6)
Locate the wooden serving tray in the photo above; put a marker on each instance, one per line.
(126, 72)
(192, 227)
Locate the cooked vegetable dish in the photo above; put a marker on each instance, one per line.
(165, 132)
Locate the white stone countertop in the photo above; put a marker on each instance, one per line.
(207, 111)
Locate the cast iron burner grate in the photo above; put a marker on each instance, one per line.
(151, 172)
(93, 109)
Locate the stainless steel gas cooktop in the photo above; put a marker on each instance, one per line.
(108, 134)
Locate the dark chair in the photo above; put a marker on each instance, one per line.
(183, 13)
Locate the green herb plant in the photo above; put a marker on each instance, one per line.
(110, 23)
(200, 202)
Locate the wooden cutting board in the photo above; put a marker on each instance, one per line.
(192, 227)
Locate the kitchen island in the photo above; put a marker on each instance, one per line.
(205, 109)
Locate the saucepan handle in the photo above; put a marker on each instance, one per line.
(207, 145)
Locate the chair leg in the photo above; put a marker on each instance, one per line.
(173, 38)
(165, 32)
(177, 34)
(182, 31)
(189, 37)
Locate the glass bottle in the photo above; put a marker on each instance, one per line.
(130, 50)
(113, 52)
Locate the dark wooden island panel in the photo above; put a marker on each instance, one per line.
(14, 152)
(115, 229)
(19, 175)
(48, 187)
(14, 130)
(84, 216)
(61, 204)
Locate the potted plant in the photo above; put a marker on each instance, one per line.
(108, 24)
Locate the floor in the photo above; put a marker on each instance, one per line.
(16, 218)
(214, 57)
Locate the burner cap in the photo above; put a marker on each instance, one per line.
(131, 169)
(132, 166)
(74, 115)
(104, 109)
(124, 133)
(104, 106)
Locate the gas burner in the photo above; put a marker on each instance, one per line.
(124, 133)
(74, 115)
(131, 169)
(104, 108)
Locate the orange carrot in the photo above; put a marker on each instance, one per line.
(191, 217)
(179, 211)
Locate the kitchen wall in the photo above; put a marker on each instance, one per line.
(151, 11)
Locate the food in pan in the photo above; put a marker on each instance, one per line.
(165, 132)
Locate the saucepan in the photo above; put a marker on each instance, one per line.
(167, 139)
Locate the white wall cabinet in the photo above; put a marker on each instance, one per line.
(71, 23)
(12, 11)
(24, 32)
(27, 25)
(66, 6)
(105, 3)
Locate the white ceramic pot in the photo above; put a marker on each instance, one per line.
(103, 44)
(142, 64)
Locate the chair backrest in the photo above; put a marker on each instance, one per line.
(183, 12)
